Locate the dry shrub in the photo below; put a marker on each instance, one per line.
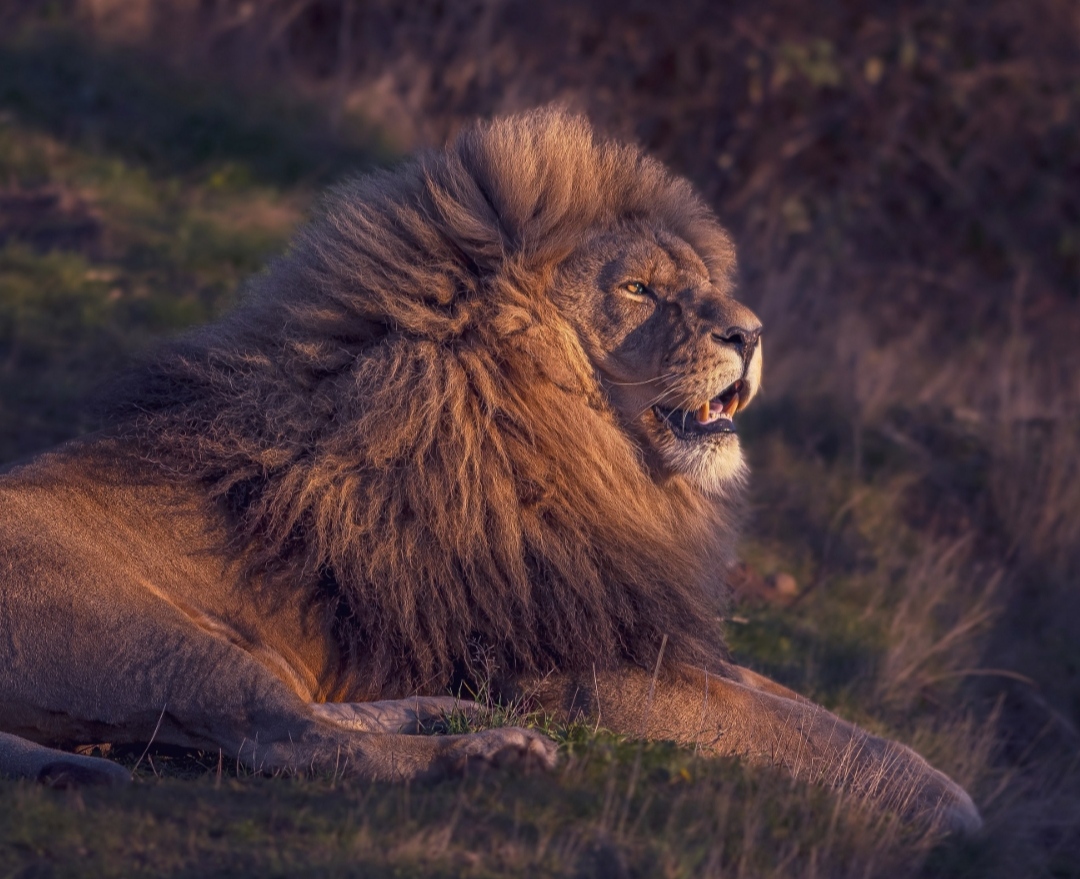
(1035, 485)
(935, 631)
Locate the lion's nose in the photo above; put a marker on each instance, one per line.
(744, 339)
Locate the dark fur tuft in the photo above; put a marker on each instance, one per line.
(397, 415)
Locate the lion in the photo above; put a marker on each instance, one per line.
(475, 426)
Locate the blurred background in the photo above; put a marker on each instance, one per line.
(902, 180)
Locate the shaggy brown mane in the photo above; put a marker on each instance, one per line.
(398, 418)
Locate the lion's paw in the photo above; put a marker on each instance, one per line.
(503, 747)
(914, 788)
(950, 806)
(961, 815)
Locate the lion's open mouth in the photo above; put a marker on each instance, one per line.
(713, 417)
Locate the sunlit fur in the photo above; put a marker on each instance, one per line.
(399, 422)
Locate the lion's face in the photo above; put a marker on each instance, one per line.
(677, 355)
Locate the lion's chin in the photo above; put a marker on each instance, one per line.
(715, 467)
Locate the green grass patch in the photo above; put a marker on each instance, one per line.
(97, 257)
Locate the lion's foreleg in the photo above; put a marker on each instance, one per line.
(395, 757)
(744, 714)
(416, 714)
(398, 750)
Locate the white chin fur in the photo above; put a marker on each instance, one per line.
(714, 467)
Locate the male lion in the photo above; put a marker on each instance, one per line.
(479, 416)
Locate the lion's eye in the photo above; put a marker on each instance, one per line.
(635, 290)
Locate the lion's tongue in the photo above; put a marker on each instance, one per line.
(723, 406)
(707, 414)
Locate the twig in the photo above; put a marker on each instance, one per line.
(652, 684)
(153, 736)
(704, 714)
(596, 684)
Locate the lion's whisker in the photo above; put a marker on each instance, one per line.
(648, 381)
(655, 401)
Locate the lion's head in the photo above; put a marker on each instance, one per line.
(677, 356)
(482, 404)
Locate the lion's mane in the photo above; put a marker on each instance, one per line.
(400, 423)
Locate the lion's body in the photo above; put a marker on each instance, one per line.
(449, 434)
(139, 567)
(124, 623)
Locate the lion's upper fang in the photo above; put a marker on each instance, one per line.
(713, 417)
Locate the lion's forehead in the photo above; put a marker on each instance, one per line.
(683, 258)
(655, 256)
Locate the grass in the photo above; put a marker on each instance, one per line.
(99, 254)
(932, 547)
(688, 817)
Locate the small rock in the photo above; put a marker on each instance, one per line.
(785, 584)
